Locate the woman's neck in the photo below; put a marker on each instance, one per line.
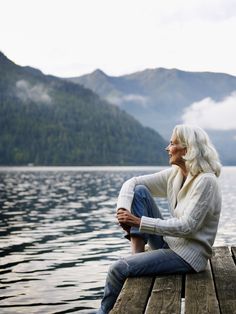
(184, 171)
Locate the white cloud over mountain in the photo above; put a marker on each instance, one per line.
(36, 93)
(210, 114)
(119, 99)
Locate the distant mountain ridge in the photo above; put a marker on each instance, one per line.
(159, 97)
(46, 120)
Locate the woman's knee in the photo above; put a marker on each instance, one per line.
(120, 267)
(141, 190)
(117, 274)
(144, 204)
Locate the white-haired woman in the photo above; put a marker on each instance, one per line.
(183, 243)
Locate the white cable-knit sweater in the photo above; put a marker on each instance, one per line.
(195, 210)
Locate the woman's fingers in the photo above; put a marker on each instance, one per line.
(121, 219)
(126, 218)
(123, 215)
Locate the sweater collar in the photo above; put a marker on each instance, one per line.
(178, 186)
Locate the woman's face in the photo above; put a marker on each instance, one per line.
(176, 152)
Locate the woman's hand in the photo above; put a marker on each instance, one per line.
(126, 219)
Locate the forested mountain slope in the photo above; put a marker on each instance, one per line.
(45, 120)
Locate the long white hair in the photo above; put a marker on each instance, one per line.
(201, 155)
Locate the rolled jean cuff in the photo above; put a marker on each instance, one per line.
(135, 232)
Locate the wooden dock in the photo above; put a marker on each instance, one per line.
(212, 291)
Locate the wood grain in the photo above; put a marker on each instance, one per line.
(133, 296)
(200, 296)
(166, 295)
(224, 272)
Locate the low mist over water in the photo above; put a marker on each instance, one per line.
(59, 234)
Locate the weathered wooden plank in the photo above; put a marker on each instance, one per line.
(224, 272)
(166, 295)
(211, 291)
(133, 296)
(200, 295)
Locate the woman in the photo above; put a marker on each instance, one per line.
(182, 243)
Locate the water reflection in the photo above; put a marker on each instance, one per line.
(59, 234)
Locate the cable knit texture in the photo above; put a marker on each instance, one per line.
(195, 211)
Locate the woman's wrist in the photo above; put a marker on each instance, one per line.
(138, 221)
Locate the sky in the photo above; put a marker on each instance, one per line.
(69, 38)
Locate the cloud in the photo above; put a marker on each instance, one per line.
(170, 33)
(213, 115)
(211, 10)
(135, 98)
(36, 93)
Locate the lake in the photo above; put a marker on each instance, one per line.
(59, 234)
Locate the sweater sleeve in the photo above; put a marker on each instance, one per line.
(193, 217)
(156, 183)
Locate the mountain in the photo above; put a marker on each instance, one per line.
(159, 98)
(46, 120)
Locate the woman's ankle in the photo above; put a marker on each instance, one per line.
(137, 244)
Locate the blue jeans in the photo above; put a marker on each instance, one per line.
(161, 260)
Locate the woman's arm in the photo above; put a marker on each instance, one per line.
(201, 201)
(156, 183)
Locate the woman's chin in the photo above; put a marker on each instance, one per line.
(171, 162)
